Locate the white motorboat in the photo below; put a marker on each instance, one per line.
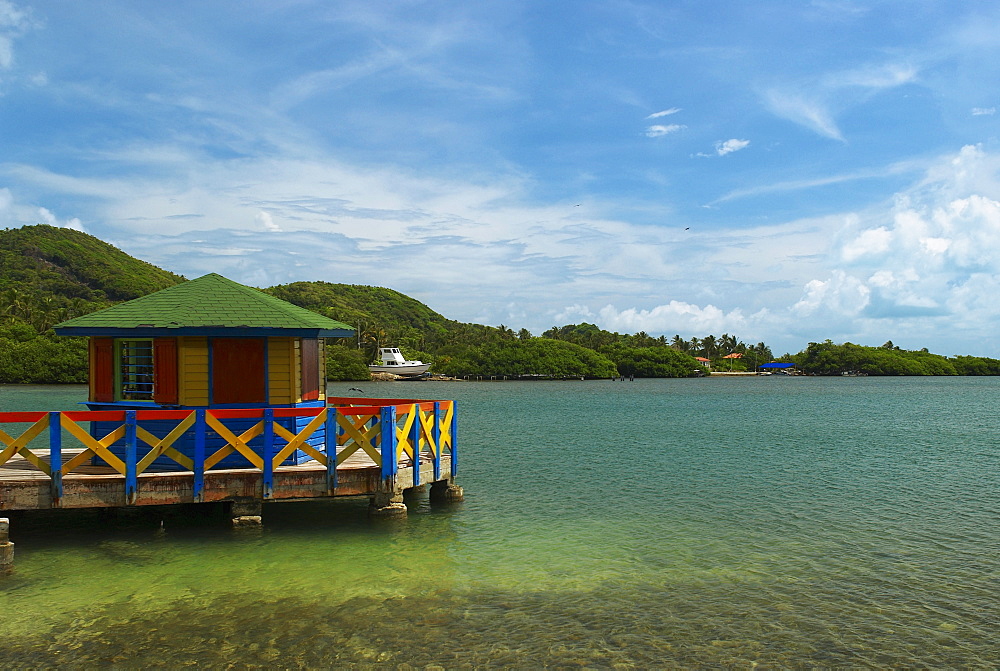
(390, 360)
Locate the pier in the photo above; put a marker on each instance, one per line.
(212, 391)
(371, 447)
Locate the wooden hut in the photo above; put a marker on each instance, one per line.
(206, 343)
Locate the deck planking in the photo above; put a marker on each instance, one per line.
(24, 487)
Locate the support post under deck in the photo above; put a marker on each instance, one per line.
(245, 512)
(6, 547)
(388, 502)
(446, 491)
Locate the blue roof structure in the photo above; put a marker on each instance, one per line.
(777, 365)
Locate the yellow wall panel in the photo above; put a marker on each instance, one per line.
(280, 355)
(192, 370)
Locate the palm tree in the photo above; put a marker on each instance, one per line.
(710, 345)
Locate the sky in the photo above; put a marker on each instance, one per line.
(785, 172)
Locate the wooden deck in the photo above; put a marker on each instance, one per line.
(375, 449)
(22, 486)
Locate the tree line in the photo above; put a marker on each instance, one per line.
(828, 358)
(49, 274)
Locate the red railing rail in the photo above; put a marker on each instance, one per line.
(420, 431)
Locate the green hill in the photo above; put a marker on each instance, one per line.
(65, 264)
(50, 274)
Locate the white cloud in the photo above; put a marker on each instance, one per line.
(675, 316)
(572, 314)
(814, 104)
(900, 265)
(266, 221)
(46, 217)
(839, 295)
(660, 131)
(871, 241)
(729, 146)
(874, 76)
(14, 22)
(663, 113)
(984, 111)
(813, 114)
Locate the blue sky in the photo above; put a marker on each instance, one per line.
(781, 171)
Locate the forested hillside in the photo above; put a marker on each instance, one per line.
(48, 275)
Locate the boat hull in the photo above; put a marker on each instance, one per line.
(404, 370)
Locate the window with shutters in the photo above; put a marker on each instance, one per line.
(135, 370)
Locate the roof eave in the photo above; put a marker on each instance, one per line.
(216, 331)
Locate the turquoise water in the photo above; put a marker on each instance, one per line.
(782, 522)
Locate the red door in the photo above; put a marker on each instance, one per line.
(238, 370)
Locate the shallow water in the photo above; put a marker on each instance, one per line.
(795, 522)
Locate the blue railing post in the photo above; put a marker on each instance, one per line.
(454, 438)
(387, 425)
(330, 444)
(131, 447)
(200, 435)
(55, 456)
(415, 440)
(268, 452)
(437, 441)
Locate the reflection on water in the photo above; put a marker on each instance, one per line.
(794, 522)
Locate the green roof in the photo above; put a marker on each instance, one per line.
(208, 303)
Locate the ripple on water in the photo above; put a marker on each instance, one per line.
(785, 523)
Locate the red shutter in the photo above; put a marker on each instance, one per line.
(310, 369)
(165, 371)
(102, 370)
(238, 373)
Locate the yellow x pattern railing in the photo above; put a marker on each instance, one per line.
(19, 445)
(164, 446)
(391, 433)
(94, 446)
(234, 443)
(360, 432)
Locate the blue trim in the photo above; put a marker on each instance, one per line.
(415, 439)
(131, 445)
(200, 435)
(121, 405)
(150, 405)
(55, 456)
(437, 441)
(220, 331)
(387, 420)
(268, 453)
(454, 438)
(330, 446)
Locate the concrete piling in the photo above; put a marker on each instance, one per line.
(387, 504)
(446, 491)
(6, 547)
(246, 512)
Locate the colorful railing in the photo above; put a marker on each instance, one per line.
(419, 432)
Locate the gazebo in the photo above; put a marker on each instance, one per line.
(206, 343)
